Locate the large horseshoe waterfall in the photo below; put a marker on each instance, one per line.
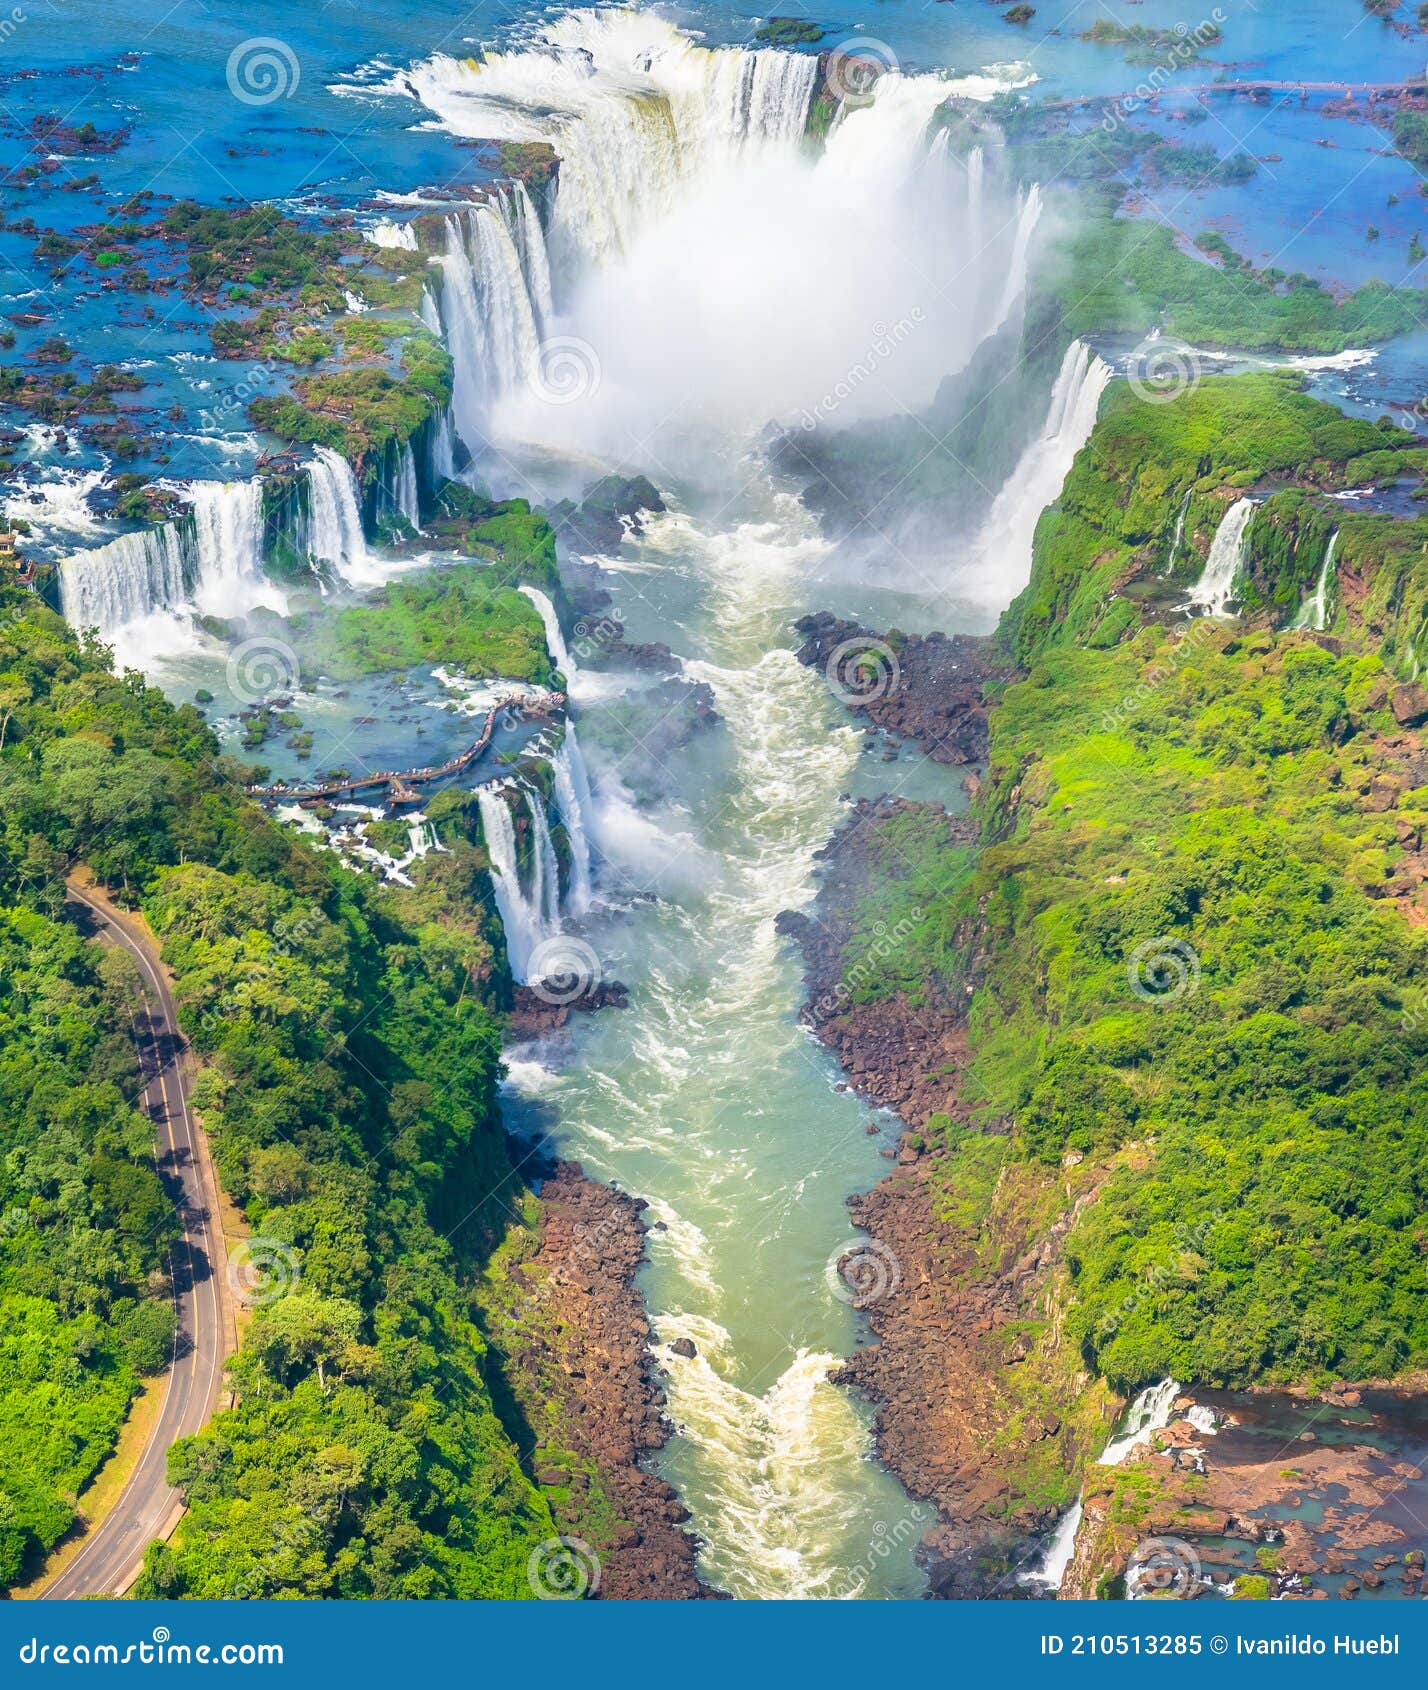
(702, 274)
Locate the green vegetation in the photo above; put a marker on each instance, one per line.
(364, 1456)
(789, 32)
(1115, 274)
(1192, 970)
(470, 618)
(85, 1222)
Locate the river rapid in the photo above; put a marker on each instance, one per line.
(703, 273)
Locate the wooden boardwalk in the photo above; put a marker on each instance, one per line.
(404, 786)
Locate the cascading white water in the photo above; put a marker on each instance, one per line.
(487, 315)
(334, 529)
(686, 196)
(142, 590)
(711, 273)
(525, 917)
(1178, 535)
(1212, 593)
(1051, 1569)
(443, 447)
(228, 538)
(130, 579)
(1001, 554)
(1150, 1412)
(554, 639)
(404, 493)
(577, 811)
(545, 887)
(1314, 614)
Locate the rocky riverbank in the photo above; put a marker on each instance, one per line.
(983, 1407)
(575, 1343)
(898, 1054)
(930, 690)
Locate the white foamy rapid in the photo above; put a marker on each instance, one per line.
(696, 271)
(1212, 593)
(1001, 553)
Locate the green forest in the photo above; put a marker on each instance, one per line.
(350, 1049)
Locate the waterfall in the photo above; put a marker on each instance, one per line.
(142, 589)
(334, 525)
(126, 580)
(1028, 215)
(545, 886)
(1212, 593)
(1056, 1557)
(1315, 613)
(577, 810)
(1002, 551)
(1178, 535)
(554, 639)
(390, 234)
(687, 193)
(1149, 1413)
(523, 916)
(403, 494)
(228, 538)
(443, 447)
(487, 314)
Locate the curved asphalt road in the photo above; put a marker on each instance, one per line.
(148, 1506)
